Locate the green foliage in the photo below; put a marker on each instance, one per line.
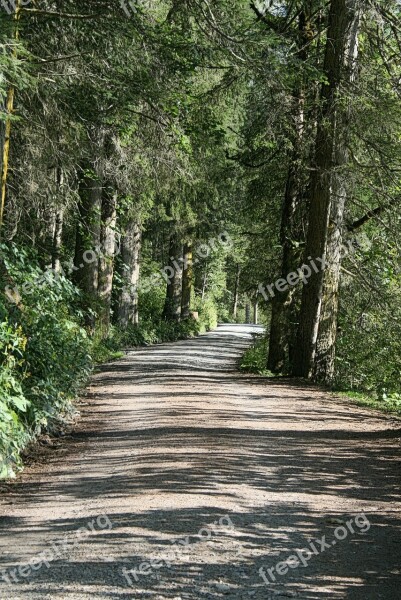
(151, 301)
(254, 359)
(13, 403)
(369, 341)
(369, 354)
(45, 356)
(224, 314)
(207, 310)
(58, 359)
(391, 404)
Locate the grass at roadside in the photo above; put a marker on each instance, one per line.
(390, 405)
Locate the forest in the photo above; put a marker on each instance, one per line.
(170, 164)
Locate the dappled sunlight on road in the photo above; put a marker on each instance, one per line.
(172, 439)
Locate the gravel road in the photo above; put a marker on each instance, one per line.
(185, 479)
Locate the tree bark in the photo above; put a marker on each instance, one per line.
(127, 309)
(256, 312)
(57, 240)
(236, 292)
(58, 224)
(172, 306)
(204, 282)
(341, 30)
(324, 365)
(247, 312)
(323, 368)
(88, 233)
(187, 281)
(106, 258)
(281, 326)
(87, 246)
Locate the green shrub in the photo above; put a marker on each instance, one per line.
(45, 355)
(59, 362)
(255, 358)
(368, 350)
(207, 310)
(151, 302)
(13, 403)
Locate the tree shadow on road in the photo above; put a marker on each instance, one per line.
(285, 464)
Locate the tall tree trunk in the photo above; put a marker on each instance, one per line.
(58, 224)
(256, 311)
(57, 240)
(187, 281)
(247, 312)
(88, 233)
(280, 327)
(341, 30)
(127, 309)
(323, 367)
(204, 281)
(172, 306)
(87, 246)
(106, 258)
(327, 333)
(291, 222)
(236, 292)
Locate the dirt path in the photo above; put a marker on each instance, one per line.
(175, 444)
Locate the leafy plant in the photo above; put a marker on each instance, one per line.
(44, 356)
(13, 402)
(254, 359)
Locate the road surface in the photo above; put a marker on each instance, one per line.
(185, 479)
